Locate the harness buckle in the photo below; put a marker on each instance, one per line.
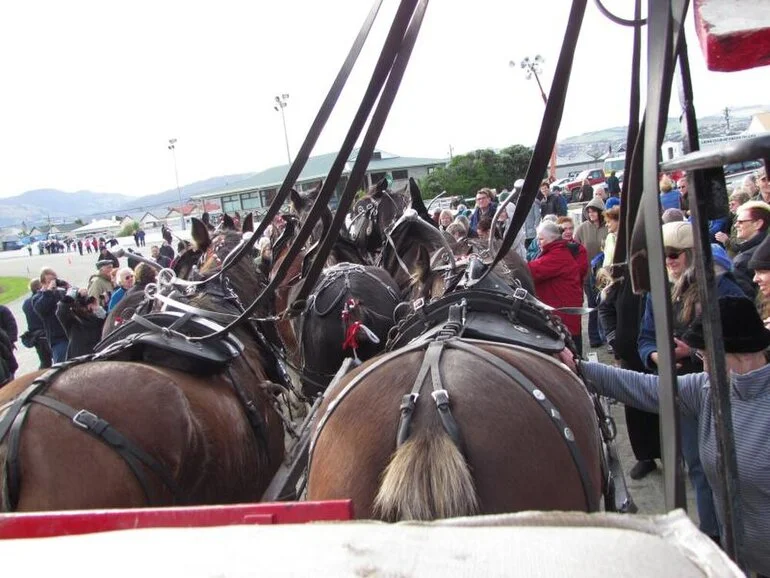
(85, 419)
(408, 402)
(520, 293)
(418, 304)
(441, 397)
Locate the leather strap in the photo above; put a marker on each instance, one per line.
(397, 66)
(133, 455)
(548, 130)
(384, 65)
(310, 140)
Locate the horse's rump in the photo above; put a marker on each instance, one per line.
(194, 428)
(517, 458)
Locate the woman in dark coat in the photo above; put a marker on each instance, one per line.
(82, 319)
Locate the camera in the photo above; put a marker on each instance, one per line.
(61, 283)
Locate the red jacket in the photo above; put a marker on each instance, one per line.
(558, 281)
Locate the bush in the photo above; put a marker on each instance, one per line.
(129, 229)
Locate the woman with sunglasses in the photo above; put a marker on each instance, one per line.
(745, 339)
(678, 245)
(751, 222)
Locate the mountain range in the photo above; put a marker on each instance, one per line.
(52, 205)
(55, 206)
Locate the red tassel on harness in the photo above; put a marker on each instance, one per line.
(351, 341)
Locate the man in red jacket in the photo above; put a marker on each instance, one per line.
(557, 277)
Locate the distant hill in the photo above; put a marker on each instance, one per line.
(40, 205)
(708, 126)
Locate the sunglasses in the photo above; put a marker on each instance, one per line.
(741, 221)
(671, 254)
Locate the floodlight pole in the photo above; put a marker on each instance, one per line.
(532, 67)
(172, 148)
(281, 102)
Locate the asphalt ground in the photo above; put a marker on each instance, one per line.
(647, 493)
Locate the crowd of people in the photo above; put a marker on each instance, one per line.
(65, 320)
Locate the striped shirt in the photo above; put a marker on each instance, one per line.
(750, 404)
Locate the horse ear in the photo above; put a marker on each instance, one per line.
(200, 234)
(376, 191)
(248, 224)
(296, 200)
(228, 223)
(417, 203)
(314, 193)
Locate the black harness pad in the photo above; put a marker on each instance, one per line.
(489, 316)
(161, 339)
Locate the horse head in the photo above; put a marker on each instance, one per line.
(417, 256)
(374, 213)
(302, 204)
(214, 250)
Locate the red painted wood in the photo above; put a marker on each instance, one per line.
(47, 524)
(733, 35)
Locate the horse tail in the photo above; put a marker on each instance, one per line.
(427, 478)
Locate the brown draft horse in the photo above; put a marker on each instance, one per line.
(193, 427)
(510, 457)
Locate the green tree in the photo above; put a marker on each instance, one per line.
(129, 229)
(467, 173)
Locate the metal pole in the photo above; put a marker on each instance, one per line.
(531, 65)
(172, 148)
(280, 104)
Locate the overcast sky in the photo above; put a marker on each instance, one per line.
(92, 91)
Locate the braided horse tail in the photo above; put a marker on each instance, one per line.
(427, 478)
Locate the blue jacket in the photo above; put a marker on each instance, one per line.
(726, 286)
(44, 304)
(671, 200)
(117, 295)
(476, 216)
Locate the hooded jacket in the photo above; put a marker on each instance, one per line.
(558, 281)
(589, 235)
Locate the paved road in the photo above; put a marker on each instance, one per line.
(76, 269)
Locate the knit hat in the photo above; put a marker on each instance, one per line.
(760, 260)
(103, 263)
(720, 257)
(678, 235)
(742, 328)
(612, 202)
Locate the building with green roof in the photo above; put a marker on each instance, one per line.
(256, 192)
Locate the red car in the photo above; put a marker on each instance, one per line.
(594, 176)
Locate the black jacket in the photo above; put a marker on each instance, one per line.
(34, 323)
(83, 328)
(743, 273)
(44, 304)
(8, 324)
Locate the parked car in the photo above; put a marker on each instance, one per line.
(743, 167)
(594, 176)
(560, 183)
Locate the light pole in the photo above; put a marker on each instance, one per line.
(280, 103)
(172, 148)
(532, 68)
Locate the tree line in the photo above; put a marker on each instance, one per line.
(466, 174)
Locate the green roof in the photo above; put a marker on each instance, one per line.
(318, 167)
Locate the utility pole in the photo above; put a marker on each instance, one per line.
(727, 119)
(451, 152)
